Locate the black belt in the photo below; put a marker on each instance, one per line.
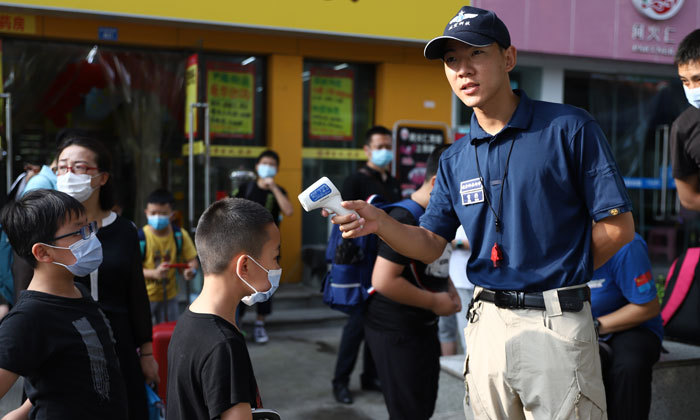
(570, 300)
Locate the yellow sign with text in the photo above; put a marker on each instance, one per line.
(330, 105)
(191, 78)
(230, 96)
(322, 153)
(17, 24)
(395, 19)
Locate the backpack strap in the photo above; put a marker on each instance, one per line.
(142, 243)
(680, 290)
(414, 208)
(177, 233)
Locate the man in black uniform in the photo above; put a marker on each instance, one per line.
(373, 178)
(685, 132)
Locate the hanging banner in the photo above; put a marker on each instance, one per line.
(191, 78)
(414, 145)
(231, 99)
(331, 105)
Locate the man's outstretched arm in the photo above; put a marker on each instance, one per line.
(413, 242)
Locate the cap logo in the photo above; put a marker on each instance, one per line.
(460, 18)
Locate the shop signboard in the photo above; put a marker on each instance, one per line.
(231, 99)
(414, 144)
(14, 23)
(331, 105)
(632, 30)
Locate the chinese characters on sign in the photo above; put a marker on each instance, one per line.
(414, 145)
(17, 24)
(331, 105)
(230, 96)
(653, 39)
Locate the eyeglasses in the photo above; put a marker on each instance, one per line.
(84, 231)
(78, 169)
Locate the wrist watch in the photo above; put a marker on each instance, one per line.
(459, 244)
(596, 324)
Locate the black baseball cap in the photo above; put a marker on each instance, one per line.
(473, 26)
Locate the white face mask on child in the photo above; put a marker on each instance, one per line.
(273, 276)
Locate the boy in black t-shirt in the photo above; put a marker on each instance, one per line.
(401, 319)
(56, 336)
(209, 370)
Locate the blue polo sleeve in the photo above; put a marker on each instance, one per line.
(633, 273)
(599, 180)
(440, 216)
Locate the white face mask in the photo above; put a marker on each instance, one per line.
(693, 96)
(273, 276)
(77, 186)
(87, 253)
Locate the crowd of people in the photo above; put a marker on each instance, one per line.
(552, 325)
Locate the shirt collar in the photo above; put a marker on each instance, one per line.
(520, 119)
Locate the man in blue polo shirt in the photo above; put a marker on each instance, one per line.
(525, 185)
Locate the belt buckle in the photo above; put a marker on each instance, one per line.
(509, 299)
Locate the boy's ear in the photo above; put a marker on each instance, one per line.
(240, 265)
(41, 254)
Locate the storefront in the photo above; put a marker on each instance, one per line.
(304, 78)
(307, 78)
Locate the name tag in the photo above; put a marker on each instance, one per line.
(471, 191)
(595, 284)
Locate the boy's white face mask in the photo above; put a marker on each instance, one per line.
(273, 276)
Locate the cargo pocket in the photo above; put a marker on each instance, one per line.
(586, 400)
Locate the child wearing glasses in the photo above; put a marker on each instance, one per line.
(209, 370)
(56, 336)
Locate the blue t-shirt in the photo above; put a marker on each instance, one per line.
(625, 278)
(561, 175)
(44, 179)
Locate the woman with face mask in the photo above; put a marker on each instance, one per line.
(118, 285)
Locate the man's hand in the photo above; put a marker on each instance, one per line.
(267, 183)
(445, 304)
(351, 226)
(189, 273)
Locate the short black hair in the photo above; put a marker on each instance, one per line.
(431, 165)
(377, 129)
(161, 196)
(36, 217)
(688, 49)
(228, 227)
(268, 153)
(104, 163)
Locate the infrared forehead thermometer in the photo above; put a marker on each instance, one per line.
(323, 194)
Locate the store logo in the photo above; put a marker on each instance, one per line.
(658, 9)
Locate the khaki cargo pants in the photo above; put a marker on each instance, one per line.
(526, 364)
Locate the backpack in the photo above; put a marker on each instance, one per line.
(680, 309)
(177, 233)
(348, 283)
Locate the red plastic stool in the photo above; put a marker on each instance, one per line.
(161, 339)
(662, 240)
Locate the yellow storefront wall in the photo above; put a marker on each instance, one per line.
(407, 86)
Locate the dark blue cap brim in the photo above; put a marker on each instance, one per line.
(436, 47)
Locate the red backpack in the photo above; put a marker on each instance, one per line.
(680, 309)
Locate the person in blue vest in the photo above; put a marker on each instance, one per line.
(628, 320)
(525, 183)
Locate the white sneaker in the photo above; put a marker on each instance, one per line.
(259, 333)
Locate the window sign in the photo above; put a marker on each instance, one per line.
(414, 145)
(331, 105)
(231, 99)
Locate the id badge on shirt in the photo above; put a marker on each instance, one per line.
(472, 191)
